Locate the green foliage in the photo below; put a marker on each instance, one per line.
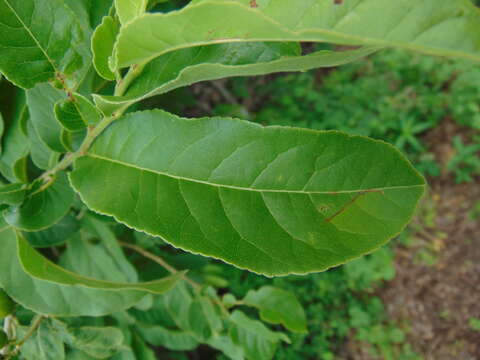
(273, 200)
(474, 323)
(6, 304)
(466, 161)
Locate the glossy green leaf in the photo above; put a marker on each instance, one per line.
(55, 235)
(40, 39)
(447, 28)
(257, 341)
(188, 66)
(76, 113)
(41, 101)
(128, 10)
(278, 306)
(44, 344)
(273, 200)
(43, 208)
(38, 284)
(12, 194)
(103, 41)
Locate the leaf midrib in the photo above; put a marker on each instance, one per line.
(348, 37)
(50, 60)
(242, 188)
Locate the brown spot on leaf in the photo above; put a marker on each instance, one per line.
(338, 2)
(253, 3)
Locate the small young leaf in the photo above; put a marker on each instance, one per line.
(278, 306)
(76, 113)
(103, 40)
(43, 208)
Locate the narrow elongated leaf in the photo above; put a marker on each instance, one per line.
(278, 306)
(42, 209)
(446, 28)
(128, 10)
(256, 340)
(37, 284)
(273, 200)
(103, 40)
(188, 66)
(41, 101)
(40, 39)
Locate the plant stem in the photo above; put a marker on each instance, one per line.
(36, 323)
(69, 159)
(160, 262)
(196, 286)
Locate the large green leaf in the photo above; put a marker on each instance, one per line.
(274, 200)
(188, 66)
(41, 40)
(442, 28)
(278, 306)
(42, 208)
(38, 284)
